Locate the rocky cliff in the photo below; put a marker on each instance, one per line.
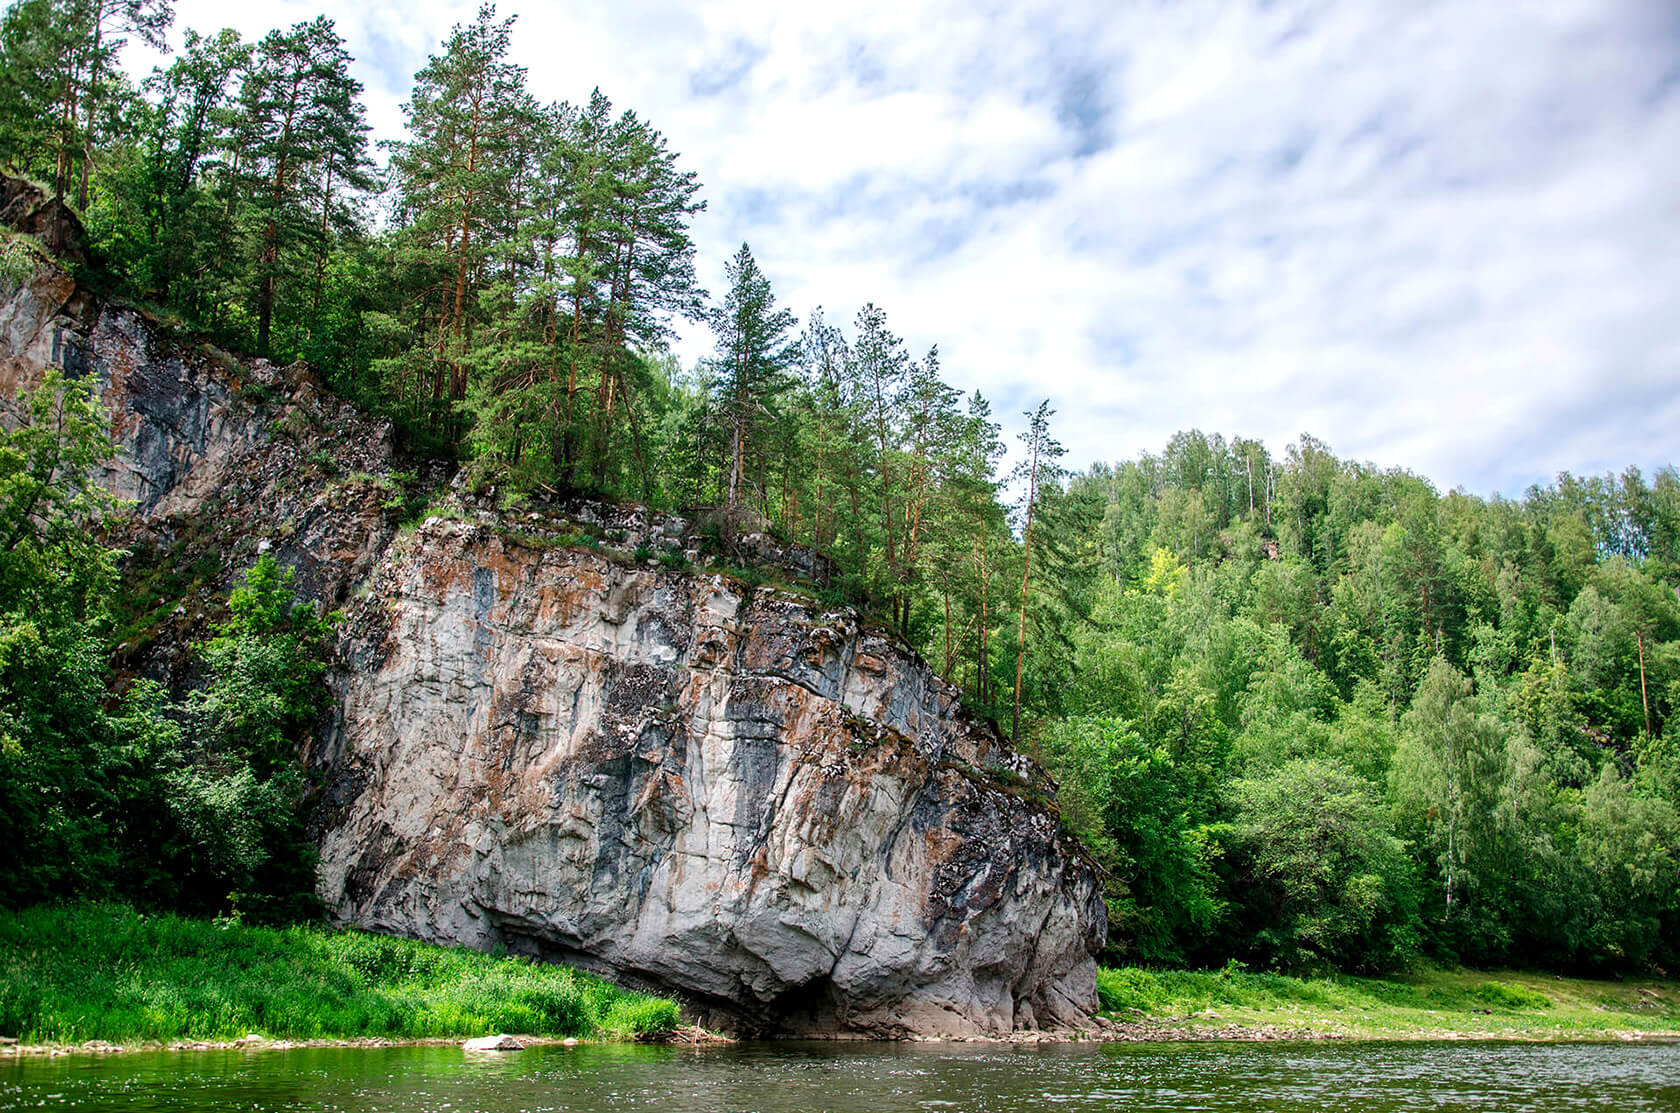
(729, 792)
(553, 732)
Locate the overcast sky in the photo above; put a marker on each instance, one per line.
(1441, 236)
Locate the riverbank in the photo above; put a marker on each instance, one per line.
(103, 978)
(92, 977)
(1425, 1004)
(680, 1036)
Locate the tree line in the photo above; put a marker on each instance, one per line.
(1304, 711)
(1346, 719)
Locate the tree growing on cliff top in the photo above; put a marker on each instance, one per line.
(755, 357)
(58, 72)
(645, 276)
(160, 213)
(1040, 469)
(454, 181)
(300, 146)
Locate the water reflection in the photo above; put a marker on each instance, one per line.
(842, 1078)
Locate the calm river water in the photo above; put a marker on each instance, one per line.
(807, 1078)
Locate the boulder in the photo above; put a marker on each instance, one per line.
(493, 1043)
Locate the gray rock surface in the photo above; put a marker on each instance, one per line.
(218, 459)
(729, 793)
(493, 1043)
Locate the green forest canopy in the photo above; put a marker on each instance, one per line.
(1304, 711)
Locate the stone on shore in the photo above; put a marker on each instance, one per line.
(493, 1043)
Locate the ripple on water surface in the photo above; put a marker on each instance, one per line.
(855, 1078)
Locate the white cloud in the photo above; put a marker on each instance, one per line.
(1435, 235)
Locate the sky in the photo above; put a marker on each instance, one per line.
(1443, 236)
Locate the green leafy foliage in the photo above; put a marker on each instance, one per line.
(752, 366)
(237, 788)
(1326, 883)
(65, 762)
(1402, 723)
(1125, 799)
(62, 96)
(192, 805)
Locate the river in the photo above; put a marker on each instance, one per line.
(1352, 1077)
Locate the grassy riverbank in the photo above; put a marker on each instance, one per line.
(1428, 1003)
(105, 972)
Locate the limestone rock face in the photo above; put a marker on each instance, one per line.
(729, 793)
(191, 425)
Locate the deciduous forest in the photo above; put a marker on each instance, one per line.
(1306, 712)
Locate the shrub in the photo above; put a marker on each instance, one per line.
(643, 1017)
(1504, 995)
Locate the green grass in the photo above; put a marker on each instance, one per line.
(105, 972)
(1427, 1002)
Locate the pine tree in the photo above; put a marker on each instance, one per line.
(37, 88)
(103, 24)
(929, 427)
(453, 179)
(584, 184)
(299, 122)
(827, 430)
(754, 359)
(57, 73)
(880, 374)
(649, 272)
(514, 348)
(968, 520)
(1040, 470)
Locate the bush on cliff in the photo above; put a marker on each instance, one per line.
(237, 788)
(193, 805)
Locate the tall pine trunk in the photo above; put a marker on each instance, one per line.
(1026, 576)
(92, 108)
(982, 660)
